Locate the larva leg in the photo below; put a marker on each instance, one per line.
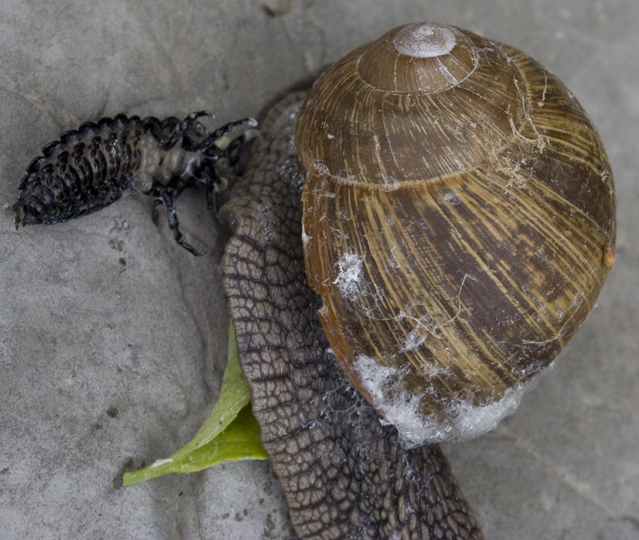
(212, 182)
(209, 145)
(167, 195)
(166, 143)
(167, 199)
(216, 146)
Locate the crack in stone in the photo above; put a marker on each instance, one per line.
(147, 23)
(208, 355)
(566, 478)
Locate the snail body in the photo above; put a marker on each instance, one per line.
(442, 266)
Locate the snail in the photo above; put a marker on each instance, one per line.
(414, 240)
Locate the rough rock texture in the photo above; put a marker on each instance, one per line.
(107, 364)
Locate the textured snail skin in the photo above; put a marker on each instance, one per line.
(344, 473)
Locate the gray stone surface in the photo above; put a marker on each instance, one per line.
(107, 364)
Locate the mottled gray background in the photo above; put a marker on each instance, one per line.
(112, 339)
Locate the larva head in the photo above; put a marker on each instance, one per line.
(459, 223)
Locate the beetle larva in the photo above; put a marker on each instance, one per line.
(93, 166)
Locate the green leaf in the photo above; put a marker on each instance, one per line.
(230, 433)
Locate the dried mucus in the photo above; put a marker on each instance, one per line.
(93, 166)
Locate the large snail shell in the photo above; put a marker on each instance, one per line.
(458, 223)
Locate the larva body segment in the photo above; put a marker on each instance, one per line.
(93, 166)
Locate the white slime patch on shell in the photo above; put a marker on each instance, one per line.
(350, 277)
(464, 420)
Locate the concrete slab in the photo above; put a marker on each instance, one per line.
(112, 338)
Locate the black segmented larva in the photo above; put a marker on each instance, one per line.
(93, 166)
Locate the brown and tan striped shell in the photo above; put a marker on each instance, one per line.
(459, 223)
